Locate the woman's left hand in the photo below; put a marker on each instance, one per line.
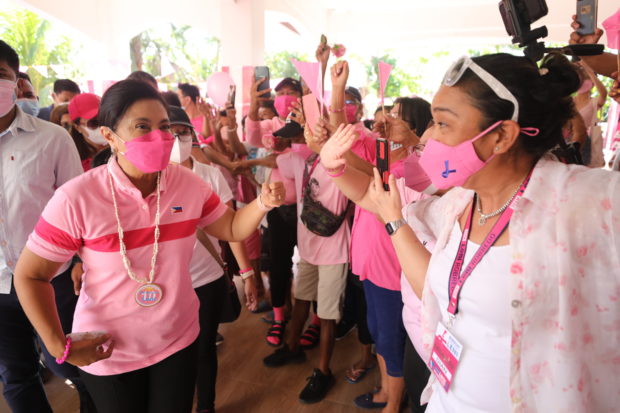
(272, 194)
(251, 293)
(387, 203)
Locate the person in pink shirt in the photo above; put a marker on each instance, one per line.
(133, 224)
(83, 110)
(519, 295)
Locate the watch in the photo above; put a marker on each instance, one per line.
(392, 226)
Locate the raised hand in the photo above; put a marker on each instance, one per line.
(387, 203)
(272, 194)
(259, 96)
(576, 38)
(340, 74)
(333, 150)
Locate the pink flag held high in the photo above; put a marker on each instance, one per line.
(384, 74)
(310, 72)
(612, 28)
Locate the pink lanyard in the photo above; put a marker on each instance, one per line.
(456, 278)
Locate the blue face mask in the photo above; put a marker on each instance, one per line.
(29, 106)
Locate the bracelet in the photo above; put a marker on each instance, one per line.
(261, 205)
(336, 110)
(246, 274)
(66, 353)
(334, 173)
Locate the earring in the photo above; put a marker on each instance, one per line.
(496, 148)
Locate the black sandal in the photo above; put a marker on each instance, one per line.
(275, 333)
(310, 338)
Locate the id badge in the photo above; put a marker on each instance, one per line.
(445, 356)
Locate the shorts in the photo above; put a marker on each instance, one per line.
(324, 284)
(385, 322)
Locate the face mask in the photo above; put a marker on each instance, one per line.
(7, 96)
(95, 136)
(29, 106)
(586, 86)
(180, 151)
(283, 104)
(415, 176)
(449, 166)
(350, 111)
(151, 152)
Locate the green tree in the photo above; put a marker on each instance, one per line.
(28, 34)
(280, 64)
(152, 50)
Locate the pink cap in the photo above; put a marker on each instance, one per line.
(85, 106)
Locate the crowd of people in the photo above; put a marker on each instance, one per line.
(481, 270)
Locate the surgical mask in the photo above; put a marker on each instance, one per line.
(586, 86)
(29, 106)
(181, 150)
(449, 166)
(350, 111)
(283, 104)
(95, 136)
(415, 176)
(7, 96)
(151, 152)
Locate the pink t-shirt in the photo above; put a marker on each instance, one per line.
(372, 254)
(80, 218)
(313, 248)
(198, 124)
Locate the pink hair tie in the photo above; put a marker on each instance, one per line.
(66, 353)
(530, 131)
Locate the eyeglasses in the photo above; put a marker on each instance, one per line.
(186, 137)
(458, 68)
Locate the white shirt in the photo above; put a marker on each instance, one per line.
(36, 157)
(203, 268)
(483, 327)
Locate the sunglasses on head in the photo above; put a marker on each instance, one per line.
(458, 68)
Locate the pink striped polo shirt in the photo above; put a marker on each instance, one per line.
(80, 218)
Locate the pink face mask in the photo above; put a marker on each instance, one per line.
(449, 166)
(350, 111)
(7, 96)
(151, 152)
(283, 104)
(415, 176)
(586, 86)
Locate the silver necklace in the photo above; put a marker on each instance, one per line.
(484, 217)
(149, 293)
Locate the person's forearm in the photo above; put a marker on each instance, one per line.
(358, 163)
(603, 64)
(602, 92)
(217, 158)
(241, 255)
(253, 111)
(267, 161)
(412, 256)
(337, 116)
(235, 143)
(219, 145)
(206, 128)
(354, 185)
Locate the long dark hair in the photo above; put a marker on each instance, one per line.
(544, 96)
(85, 149)
(416, 112)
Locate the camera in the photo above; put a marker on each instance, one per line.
(518, 16)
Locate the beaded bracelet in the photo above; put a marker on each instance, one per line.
(337, 173)
(66, 353)
(261, 205)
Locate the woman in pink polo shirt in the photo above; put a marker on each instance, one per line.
(133, 224)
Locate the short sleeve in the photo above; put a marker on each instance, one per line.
(213, 207)
(286, 165)
(57, 235)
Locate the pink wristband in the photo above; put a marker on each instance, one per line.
(66, 353)
(337, 174)
(246, 270)
(261, 205)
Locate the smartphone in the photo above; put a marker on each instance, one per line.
(311, 110)
(232, 92)
(383, 161)
(586, 16)
(259, 73)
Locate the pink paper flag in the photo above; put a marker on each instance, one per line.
(310, 72)
(384, 74)
(612, 28)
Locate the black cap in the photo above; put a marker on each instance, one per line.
(179, 117)
(289, 81)
(350, 90)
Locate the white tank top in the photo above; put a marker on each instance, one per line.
(483, 326)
